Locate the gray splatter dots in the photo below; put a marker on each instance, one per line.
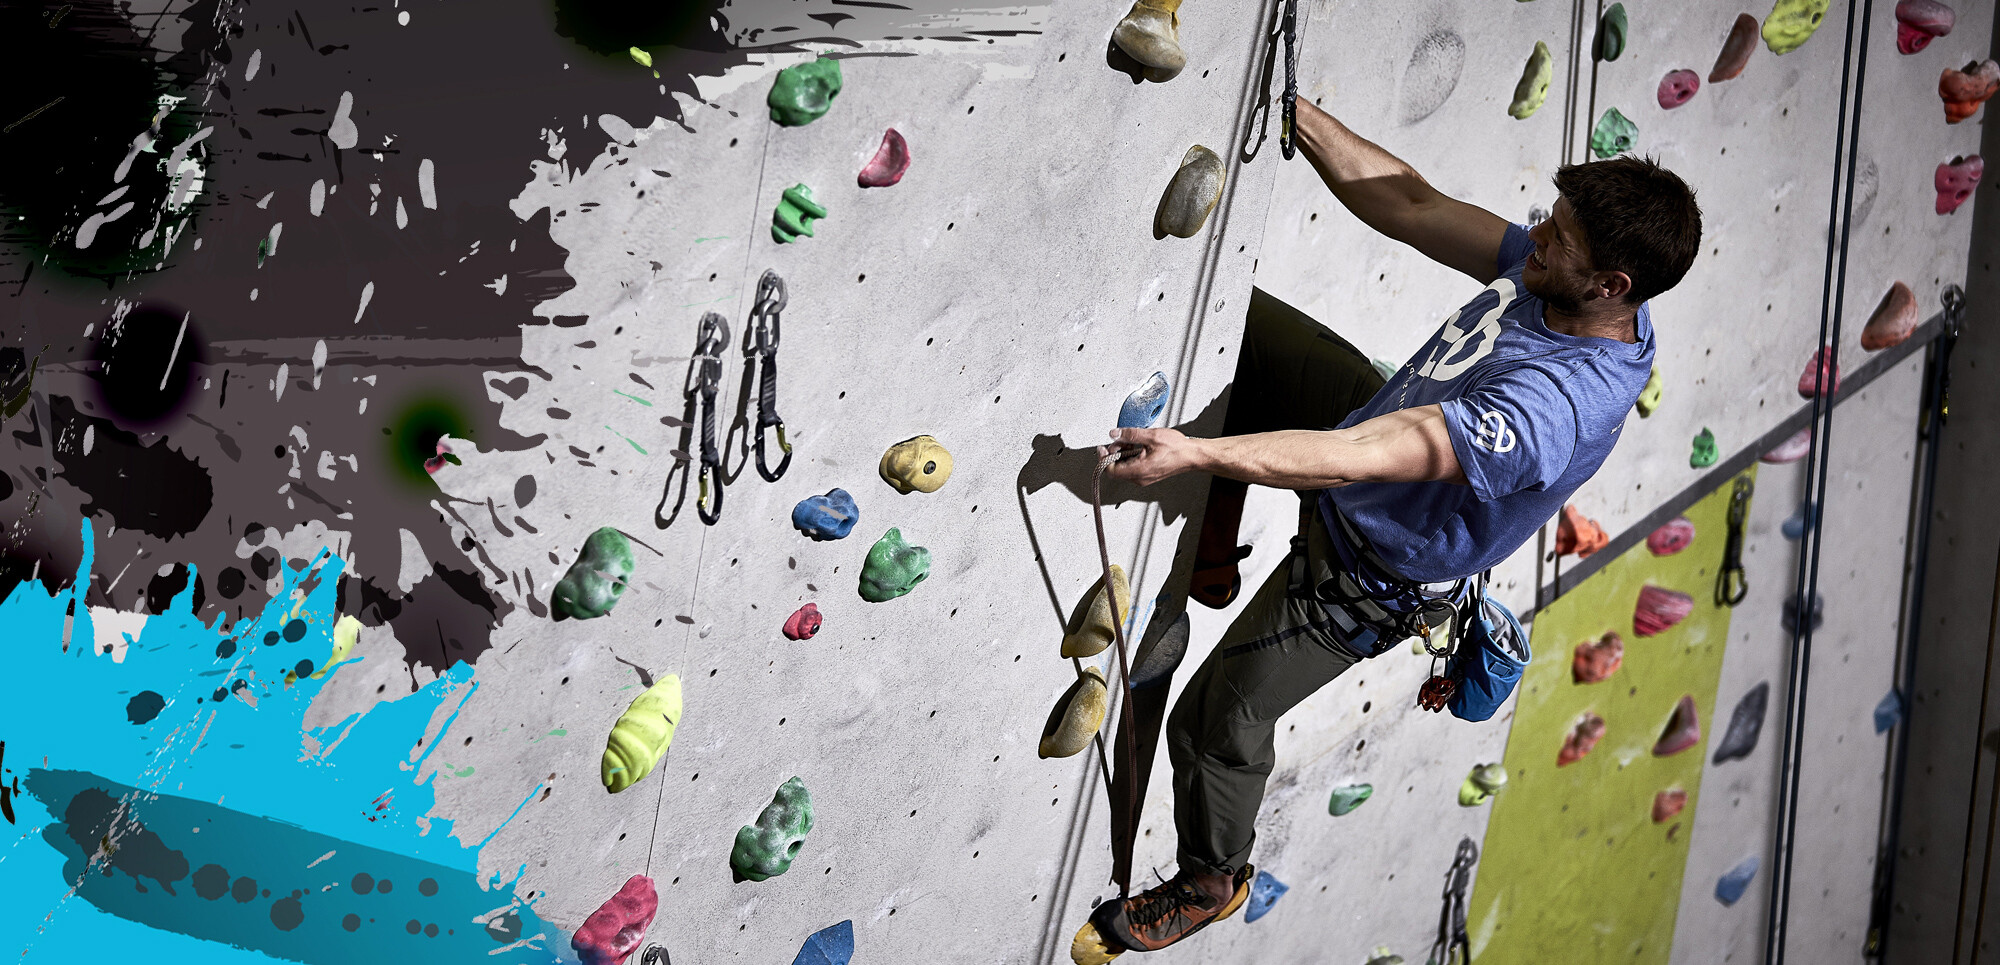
(352, 922)
(429, 886)
(243, 890)
(363, 883)
(295, 631)
(524, 491)
(287, 914)
(144, 706)
(211, 881)
(1431, 75)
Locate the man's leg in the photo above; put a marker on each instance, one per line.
(1292, 373)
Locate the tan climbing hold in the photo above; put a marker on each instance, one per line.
(1196, 188)
(1092, 627)
(920, 464)
(1736, 50)
(1076, 717)
(1150, 34)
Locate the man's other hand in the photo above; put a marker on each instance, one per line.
(1146, 456)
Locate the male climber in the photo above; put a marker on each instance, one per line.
(1417, 485)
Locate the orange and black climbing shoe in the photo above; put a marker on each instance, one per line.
(1161, 916)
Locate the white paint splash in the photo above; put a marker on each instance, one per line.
(415, 564)
(176, 353)
(342, 131)
(316, 199)
(402, 214)
(256, 61)
(427, 183)
(284, 373)
(367, 292)
(319, 362)
(88, 232)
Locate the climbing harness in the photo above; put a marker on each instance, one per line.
(1730, 585)
(704, 377)
(1453, 945)
(1287, 131)
(1131, 757)
(762, 344)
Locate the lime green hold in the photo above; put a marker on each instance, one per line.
(795, 216)
(641, 736)
(893, 568)
(1614, 135)
(1792, 23)
(1533, 89)
(1651, 395)
(596, 580)
(766, 850)
(643, 58)
(1704, 450)
(804, 92)
(1346, 799)
(1611, 33)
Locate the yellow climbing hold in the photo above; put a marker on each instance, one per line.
(642, 57)
(920, 464)
(1792, 23)
(1649, 397)
(1076, 717)
(1090, 947)
(641, 736)
(346, 633)
(1091, 627)
(1485, 781)
(1534, 86)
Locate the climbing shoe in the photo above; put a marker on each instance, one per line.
(1216, 582)
(1161, 916)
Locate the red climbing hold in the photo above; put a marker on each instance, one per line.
(1956, 179)
(1964, 90)
(1672, 537)
(1894, 319)
(1790, 450)
(1668, 803)
(1917, 21)
(1597, 659)
(1822, 376)
(804, 623)
(1581, 739)
(437, 462)
(616, 929)
(1659, 609)
(1683, 730)
(889, 163)
(1736, 50)
(1575, 534)
(1678, 88)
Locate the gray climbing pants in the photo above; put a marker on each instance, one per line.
(1293, 373)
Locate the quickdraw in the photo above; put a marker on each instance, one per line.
(1730, 584)
(1453, 945)
(1287, 132)
(762, 344)
(704, 378)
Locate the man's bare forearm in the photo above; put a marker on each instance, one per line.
(1377, 186)
(1410, 445)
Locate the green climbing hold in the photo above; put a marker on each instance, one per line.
(795, 215)
(641, 736)
(1614, 134)
(1792, 23)
(803, 92)
(1485, 781)
(1611, 34)
(1346, 799)
(596, 580)
(1649, 397)
(1704, 450)
(641, 56)
(1534, 86)
(893, 568)
(766, 850)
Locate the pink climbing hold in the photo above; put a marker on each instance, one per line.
(1894, 319)
(1955, 180)
(1965, 89)
(1581, 739)
(1821, 377)
(889, 163)
(802, 624)
(1672, 537)
(437, 462)
(1917, 21)
(1659, 609)
(1683, 730)
(617, 928)
(1668, 803)
(1595, 660)
(1678, 88)
(1790, 450)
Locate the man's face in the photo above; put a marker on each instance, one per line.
(1559, 270)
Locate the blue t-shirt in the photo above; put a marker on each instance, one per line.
(1532, 413)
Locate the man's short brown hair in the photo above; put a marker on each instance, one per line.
(1637, 217)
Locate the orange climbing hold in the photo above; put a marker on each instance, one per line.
(1576, 534)
(1822, 376)
(1736, 50)
(1598, 659)
(1668, 803)
(1659, 609)
(1584, 736)
(1965, 89)
(1894, 319)
(1682, 732)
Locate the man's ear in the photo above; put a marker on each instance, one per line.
(1612, 284)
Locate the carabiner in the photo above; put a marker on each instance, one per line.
(763, 343)
(1730, 584)
(1288, 134)
(705, 377)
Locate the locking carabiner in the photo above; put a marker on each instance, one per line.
(1730, 585)
(762, 343)
(704, 378)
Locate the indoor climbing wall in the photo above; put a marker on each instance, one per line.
(388, 431)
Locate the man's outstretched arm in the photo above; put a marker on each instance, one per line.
(1391, 197)
(1409, 445)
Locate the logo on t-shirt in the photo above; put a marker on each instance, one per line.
(1464, 346)
(1493, 432)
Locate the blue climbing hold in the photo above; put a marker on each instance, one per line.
(1146, 403)
(1264, 892)
(1888, 712)
(1795, 527)
(831, 516)
(1736, 880)
(832, 945)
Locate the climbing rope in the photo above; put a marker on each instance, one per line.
(1286, 130)
(1452, 938)
(1730, 584)
(763, 346)
(1832, 299)
(705, 375)
(1131, 757)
